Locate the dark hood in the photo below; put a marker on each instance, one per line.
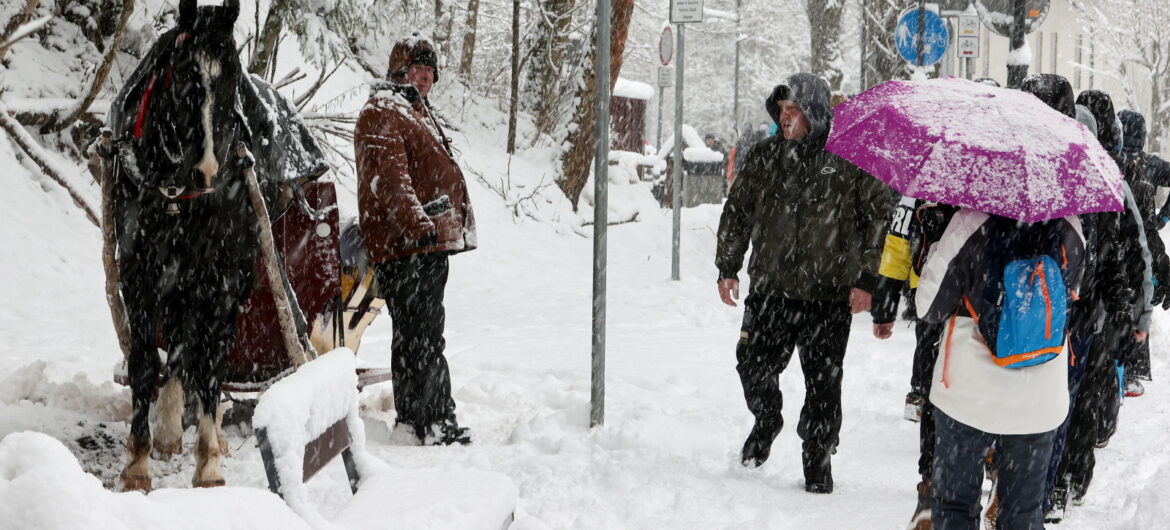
(1101, 105)
(1135, 130)
(812, 94)
(1054, 90)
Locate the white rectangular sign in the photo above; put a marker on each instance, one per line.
(683, 11)
(665, 76)
(968, 46)
(968, 26)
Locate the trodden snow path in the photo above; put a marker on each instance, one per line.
(518, 328)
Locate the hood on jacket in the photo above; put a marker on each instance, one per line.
(1085, 116)
(1101, 105)
(1054, 90)
(812, 95)
(1135, 129)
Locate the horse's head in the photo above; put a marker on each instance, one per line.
(187, 120)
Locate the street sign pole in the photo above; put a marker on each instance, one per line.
(600, 216)
(676, 177)
(682, 12)
(1017, 61)
(921, 31)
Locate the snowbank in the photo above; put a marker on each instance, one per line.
(625, 88)
(42, 486)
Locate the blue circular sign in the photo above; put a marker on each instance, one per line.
(935, 38)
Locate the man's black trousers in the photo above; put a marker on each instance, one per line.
(413, 288)
(772, 328)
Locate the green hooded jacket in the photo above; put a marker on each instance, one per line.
(815, 221)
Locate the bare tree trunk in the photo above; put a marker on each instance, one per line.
(443, 23)
(55, 122)
(515, 75)
(266, 42)
(37, 154)
(469, 39)
(882, 60)
(543, 84)
(824, 20)
(25, 15)
(1160, 105)
(577, 160)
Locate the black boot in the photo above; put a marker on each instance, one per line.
(1055, 513)
(818, 471)
(758, 446)
(446, 432)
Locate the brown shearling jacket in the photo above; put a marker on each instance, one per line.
(412, 197)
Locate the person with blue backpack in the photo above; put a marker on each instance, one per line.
(1002, 289)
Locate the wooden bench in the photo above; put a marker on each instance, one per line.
(307, 419)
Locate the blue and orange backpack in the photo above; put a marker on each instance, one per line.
(1022, 312)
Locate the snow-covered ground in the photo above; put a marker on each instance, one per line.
(518, 336)
(518, 344)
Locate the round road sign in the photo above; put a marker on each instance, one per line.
(935, 38)
(997, 15)
(666, 46)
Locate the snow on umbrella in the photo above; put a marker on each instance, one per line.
(967, 144)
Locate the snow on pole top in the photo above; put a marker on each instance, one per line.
(625, 88)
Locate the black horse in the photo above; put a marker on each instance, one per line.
(187, 234)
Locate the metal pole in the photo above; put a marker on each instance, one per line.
(735, 105)
(600, 217)
(864, 46)
(921, 31)
(677, 188)
(1017, 72)
(970, 66)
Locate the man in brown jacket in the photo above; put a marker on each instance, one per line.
(414, 212)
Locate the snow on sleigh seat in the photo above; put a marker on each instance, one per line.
(309, 417)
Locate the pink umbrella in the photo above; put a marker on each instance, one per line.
(997, 150)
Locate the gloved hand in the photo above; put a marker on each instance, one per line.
(1161, 294)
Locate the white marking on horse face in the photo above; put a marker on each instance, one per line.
(208, 69)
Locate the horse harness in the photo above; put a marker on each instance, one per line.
(123, 147)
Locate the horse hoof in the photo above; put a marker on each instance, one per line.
(209, 483)
(136, 483)
(163, 451)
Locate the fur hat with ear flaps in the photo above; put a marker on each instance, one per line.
(409, 51)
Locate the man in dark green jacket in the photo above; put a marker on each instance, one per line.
(815, 224)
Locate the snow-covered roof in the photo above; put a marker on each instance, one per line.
(626, 88)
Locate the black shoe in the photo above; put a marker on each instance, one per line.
(758, 446)
(1076, 493)
(818, 471)
(1059, 500)
(444, 433)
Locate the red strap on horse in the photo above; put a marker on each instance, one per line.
(143, 107)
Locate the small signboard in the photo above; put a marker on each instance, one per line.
(935, 38)
(666, 46)
(684, 11)
(968, 46)
(665, 76)
(968, 26)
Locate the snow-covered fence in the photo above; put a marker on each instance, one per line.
(306, 419)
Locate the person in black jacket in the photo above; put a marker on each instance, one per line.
(1144, 173)
(815, 223)
(1109, 312)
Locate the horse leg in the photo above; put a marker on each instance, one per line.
(168, 429)
(142, 368)
(207, 373)
(224, 450)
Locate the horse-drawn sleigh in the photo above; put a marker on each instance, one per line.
(222, 246)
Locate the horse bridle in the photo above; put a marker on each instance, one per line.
(124, 146)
